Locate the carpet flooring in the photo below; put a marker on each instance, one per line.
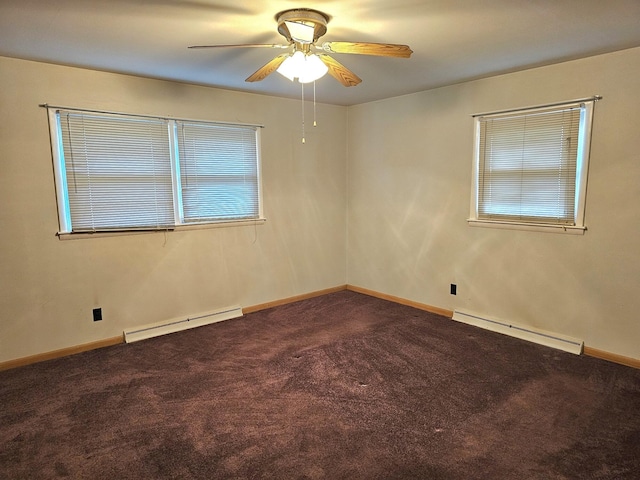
(342, 386)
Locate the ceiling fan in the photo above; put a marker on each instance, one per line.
(302, 27)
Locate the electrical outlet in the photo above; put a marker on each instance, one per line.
(97, 314)
(454, 289)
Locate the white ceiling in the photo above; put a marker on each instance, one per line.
(452, 40)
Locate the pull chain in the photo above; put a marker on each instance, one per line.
(315, 124)
(302, 84)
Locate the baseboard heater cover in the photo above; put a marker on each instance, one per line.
(177, 325)
(530, 334)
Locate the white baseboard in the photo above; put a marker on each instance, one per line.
(553, 340)
(179, 324)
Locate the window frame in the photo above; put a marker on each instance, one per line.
(582, 167)
(171, 125)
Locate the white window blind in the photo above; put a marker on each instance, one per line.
(218, 171)
(531, 165)
(118, 171)
(125, 172)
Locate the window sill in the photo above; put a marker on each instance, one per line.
(533, 227)
(176, 228)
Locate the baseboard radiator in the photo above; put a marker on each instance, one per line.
(530, 334)
(177, 325)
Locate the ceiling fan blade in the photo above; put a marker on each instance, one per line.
(379, 49)
(338, 71)
(242, 45)
(267, 69)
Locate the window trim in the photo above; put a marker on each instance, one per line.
(584, 148)
(61, 184)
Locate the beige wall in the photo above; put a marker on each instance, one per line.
(49, 286)
(409, 180)
(403, 191)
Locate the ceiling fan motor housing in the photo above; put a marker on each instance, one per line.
(305, 16)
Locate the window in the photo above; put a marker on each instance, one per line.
(125, 172)
(219, 172)
(530, 167)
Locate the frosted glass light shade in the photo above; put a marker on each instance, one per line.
(306, 68)
(314, 68)
(292, 65)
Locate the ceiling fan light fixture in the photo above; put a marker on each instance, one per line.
(314, 69)
(292, 65)
(306, 68)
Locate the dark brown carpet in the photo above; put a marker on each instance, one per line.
(342, 386)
